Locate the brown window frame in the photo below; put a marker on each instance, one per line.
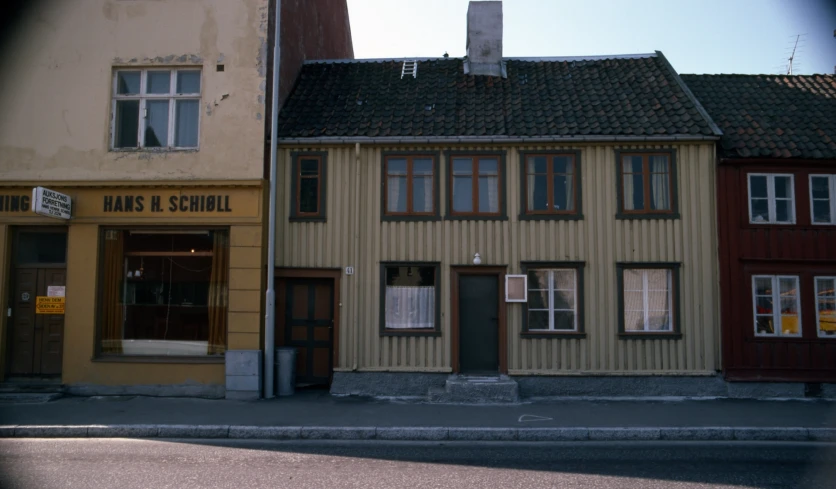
(409, 215)
(296, 188)
(474, 156)
(647, 212)
(574, 214)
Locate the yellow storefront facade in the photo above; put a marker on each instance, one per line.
(141, 314)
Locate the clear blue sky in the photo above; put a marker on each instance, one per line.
(697, 36)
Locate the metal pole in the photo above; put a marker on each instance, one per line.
(270, 303)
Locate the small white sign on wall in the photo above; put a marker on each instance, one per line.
(55, 291)
(50, 203)
(349, 270)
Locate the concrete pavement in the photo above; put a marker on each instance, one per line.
(318, 415)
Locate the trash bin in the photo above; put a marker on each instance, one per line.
(285, 371)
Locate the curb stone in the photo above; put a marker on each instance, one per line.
(715, 433)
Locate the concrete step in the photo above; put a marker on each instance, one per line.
(33, 387)
(466, 389)
(7, 398)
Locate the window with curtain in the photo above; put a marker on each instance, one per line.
(648, 297)
(409, 185)
(823, 199)
(475, 185)
(775, 300)
(164, 292)
(554, 300)
(550, 184)
(156, 108)
(647, 184)
(771, 198)
(410, 298)
(308, 191)
(826, 306)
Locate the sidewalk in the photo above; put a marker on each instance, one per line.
(317, 415)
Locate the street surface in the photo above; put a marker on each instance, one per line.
(124, 464)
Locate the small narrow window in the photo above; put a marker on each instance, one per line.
(823, 199)
(308, 191)
(550, 185)
(648, 299)
(647, 185)
(776, 307)
(771, 199)
(410, 298)
(826, 306)
(409, 186)
(155, 108)
(476, 186)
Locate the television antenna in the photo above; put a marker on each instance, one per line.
(792, 55)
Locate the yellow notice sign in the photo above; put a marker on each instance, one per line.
(49, 305)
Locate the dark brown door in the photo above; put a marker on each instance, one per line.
(36, 340)
(478, 324)
(309, 326)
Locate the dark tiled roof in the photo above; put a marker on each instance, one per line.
(771, 116)
(636, 96)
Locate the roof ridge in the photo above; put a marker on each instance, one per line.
(704, 113)
(506, 58)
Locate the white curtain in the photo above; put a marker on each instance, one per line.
(570, 188)
(428, 195)
(410, 307)
(393, 186)
(659, 184)
(627, 179)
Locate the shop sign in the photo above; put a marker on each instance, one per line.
(50, 203)
(49, 305)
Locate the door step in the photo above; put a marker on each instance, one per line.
(33, 386)
(465, 389)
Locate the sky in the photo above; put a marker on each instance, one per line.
(697, 36)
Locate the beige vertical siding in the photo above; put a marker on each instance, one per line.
(355, 236)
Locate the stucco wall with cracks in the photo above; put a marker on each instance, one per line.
(56, 78)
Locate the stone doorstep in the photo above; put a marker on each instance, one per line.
(476, 389)
(638, 434)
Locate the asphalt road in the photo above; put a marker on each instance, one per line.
(124, 464)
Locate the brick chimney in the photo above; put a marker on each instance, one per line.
(484, 39)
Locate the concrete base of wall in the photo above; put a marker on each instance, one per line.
(243, 374)
(389, 384)
(408, 384)
(207, 391)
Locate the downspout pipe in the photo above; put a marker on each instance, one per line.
(270, 302)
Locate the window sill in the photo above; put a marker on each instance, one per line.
(407, 218)
(158, 359)
(154, 150)
(627, 217)
(307, 219)
(552, 335)
(650, 336)
(476, 217)
(551, 217)
(418, 332)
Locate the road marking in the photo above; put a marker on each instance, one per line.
(530, 417)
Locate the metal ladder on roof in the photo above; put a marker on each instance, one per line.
(410, 68)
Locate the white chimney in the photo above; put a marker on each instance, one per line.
(484, 39)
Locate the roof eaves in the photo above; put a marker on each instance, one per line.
(714, 127)
(494, 139)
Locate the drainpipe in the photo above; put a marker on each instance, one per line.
(269, 313)
(355, 228)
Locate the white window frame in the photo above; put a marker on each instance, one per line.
(831, 186)
(646, 301)
(551, 310)
(821, 334)
(770, 195)
(776, 306)
(143, 97)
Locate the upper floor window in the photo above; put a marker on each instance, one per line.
(776, 304)
(410, 186)
(308, 190)
(823, 199)
(647, 185)
(771, 198)
(156, 108)
(476, 186)
(551, 185)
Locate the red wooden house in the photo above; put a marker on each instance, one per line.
(776, 191)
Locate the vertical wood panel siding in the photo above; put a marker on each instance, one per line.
(355, 236)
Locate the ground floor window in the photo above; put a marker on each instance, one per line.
(648, 297)
(553, 300)
(164, 292)
(776, 305)
(410, 298)
(826, 305)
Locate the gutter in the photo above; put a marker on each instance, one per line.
(270, 302)
(495, 139)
